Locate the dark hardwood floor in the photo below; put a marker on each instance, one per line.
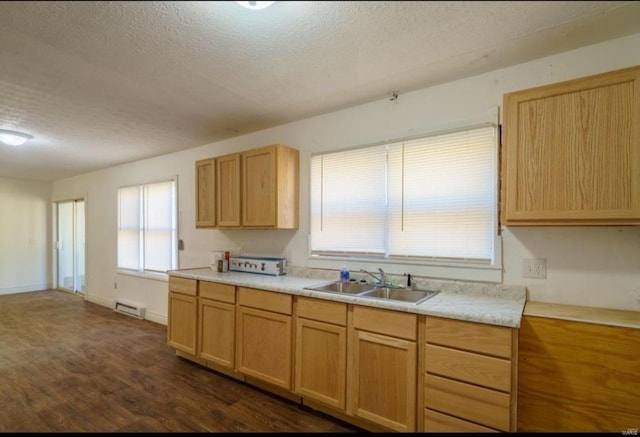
(67, 365)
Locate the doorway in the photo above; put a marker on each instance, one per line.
(70, 246)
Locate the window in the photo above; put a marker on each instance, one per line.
(147, 228)
(428, 199)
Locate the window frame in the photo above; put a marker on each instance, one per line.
(458, 269)
(148, 273)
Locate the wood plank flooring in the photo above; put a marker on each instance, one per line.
(68, 365)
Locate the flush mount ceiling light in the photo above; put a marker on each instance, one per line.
(13, 138)
(255, 5)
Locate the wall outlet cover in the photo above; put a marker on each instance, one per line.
(534, 268)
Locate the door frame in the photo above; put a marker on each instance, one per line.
(57, 281)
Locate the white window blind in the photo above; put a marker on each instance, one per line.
(429, 198)
(349, 202)
(147, 227)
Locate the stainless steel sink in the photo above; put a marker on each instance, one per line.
(399, 294)
(353, 288)
(373, 292)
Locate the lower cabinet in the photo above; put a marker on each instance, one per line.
(384, 367)
(468, 376)
(380, 369)
(321, 351)
(182, 315)
(216, 330)
(264, 336)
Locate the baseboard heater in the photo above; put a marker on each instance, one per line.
(130, 309)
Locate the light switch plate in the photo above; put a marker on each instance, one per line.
(534, 268)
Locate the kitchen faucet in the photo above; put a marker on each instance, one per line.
(382, 281)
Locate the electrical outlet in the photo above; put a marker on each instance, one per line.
(534, 268)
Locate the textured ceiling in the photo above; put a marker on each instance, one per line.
(103, 83)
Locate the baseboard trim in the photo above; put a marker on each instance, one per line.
(25, 288)
(148, 315)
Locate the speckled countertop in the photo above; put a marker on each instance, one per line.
(494, 304)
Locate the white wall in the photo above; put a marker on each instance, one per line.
(25, 225)
(595, 266)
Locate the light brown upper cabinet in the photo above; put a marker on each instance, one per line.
(571, 152)
(228, 190)
(205, 193)
(258, 188)
(270, 189)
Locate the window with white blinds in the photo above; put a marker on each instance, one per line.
(147, 227)
(429, 198)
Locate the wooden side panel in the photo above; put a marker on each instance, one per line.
(288, 164)
(577, 377)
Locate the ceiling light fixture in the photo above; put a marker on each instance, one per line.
(255, 5)
(13, 138)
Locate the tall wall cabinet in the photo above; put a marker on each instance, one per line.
(571, 152)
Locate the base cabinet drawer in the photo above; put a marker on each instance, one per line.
(480, 405)
(439, 422)
(483, 370)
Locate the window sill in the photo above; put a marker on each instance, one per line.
(154, 276)
(482, 273)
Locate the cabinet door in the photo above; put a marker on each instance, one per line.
(182, 324)
(259, 195)
(263, 346)
(205, 193)
(321, 359)
(228, 190)
(383, 384)
(216, 332)
(571, 152)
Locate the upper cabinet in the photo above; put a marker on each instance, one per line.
(258, 188)
(270, 187)
(205, 193)
(571, 152)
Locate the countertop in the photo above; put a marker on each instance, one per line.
(576, 313)
(484, 303)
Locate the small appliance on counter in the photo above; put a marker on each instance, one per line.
(262, 265)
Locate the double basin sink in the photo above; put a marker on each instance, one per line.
(376, 292)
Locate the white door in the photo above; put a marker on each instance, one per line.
(70, 244)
